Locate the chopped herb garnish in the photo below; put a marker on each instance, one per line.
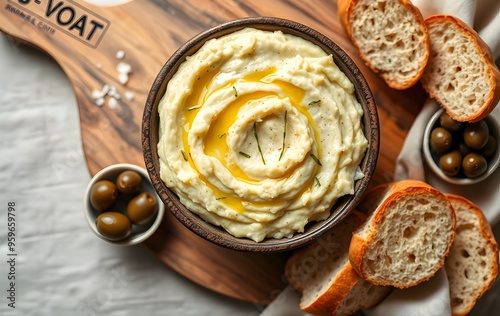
(257, 139)
(316, 159)
(317, 181)
(244, 154)
(222, 135)
(221, 198)
(318, 102)
(284, 137)
(235, 92)
(192, 108)
(184, 155)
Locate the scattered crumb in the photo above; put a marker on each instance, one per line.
(124, 70)
(112, 103)
(120, 54)
(100, 94)
(129, 96)
(99, 101)
(123, 78)
(96, 94)
(113, 93)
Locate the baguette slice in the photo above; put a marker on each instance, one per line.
(461, 73)
(406, 237)
(322, 273)
(472, 265)
(391, 37)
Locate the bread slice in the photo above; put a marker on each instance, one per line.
(472, 265)
(323, 274)
(391, 38)
(461, 73)
(406, 237)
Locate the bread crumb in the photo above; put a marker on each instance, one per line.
(99, 102)
(123, 68)
(129, 96)
(96, 94)
(99, 96)
(123, 78)
(113, 93)
(112, 103)
(120, 54)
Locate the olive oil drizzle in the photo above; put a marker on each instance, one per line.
(218, 131)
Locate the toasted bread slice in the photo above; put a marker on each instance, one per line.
(472, 265)
(323, 274)
(461, 73)
(406, 237)
(391, 37)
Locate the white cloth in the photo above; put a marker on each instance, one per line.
(432, 298)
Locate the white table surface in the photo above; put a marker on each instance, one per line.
(62, 268)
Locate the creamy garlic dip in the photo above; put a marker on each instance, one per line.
(260, 133)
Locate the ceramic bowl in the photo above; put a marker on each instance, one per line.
(139, 233)
(216, 234)
(432, 160)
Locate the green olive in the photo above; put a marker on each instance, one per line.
(441, 140)
(463, 149)
(476, 134)
(450, 163)
(450, 124)
(142, 208)
(489, 149)
(103, 195)
(113, 225)
(474, 165)
(129, 182)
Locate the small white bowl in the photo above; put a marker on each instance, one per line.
(139, 233)
(432, 160)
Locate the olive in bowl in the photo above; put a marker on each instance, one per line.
(461, 152)
(109, 197)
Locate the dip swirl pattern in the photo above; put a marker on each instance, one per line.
(260, 133)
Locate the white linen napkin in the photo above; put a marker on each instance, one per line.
(429, 298)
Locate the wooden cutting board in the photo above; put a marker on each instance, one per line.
(89, 42)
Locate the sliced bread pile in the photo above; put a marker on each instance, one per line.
(454, 65)
(472, 265)
(323, 274)
(401, 235)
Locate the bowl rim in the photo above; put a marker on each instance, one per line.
(431, 163)
(363, 95)
(88, 210)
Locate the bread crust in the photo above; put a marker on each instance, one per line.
(357, 250)
(329, 301)
(344, 10)
(300, 253)
(364, 236)
(488, 236)
(485, 54)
